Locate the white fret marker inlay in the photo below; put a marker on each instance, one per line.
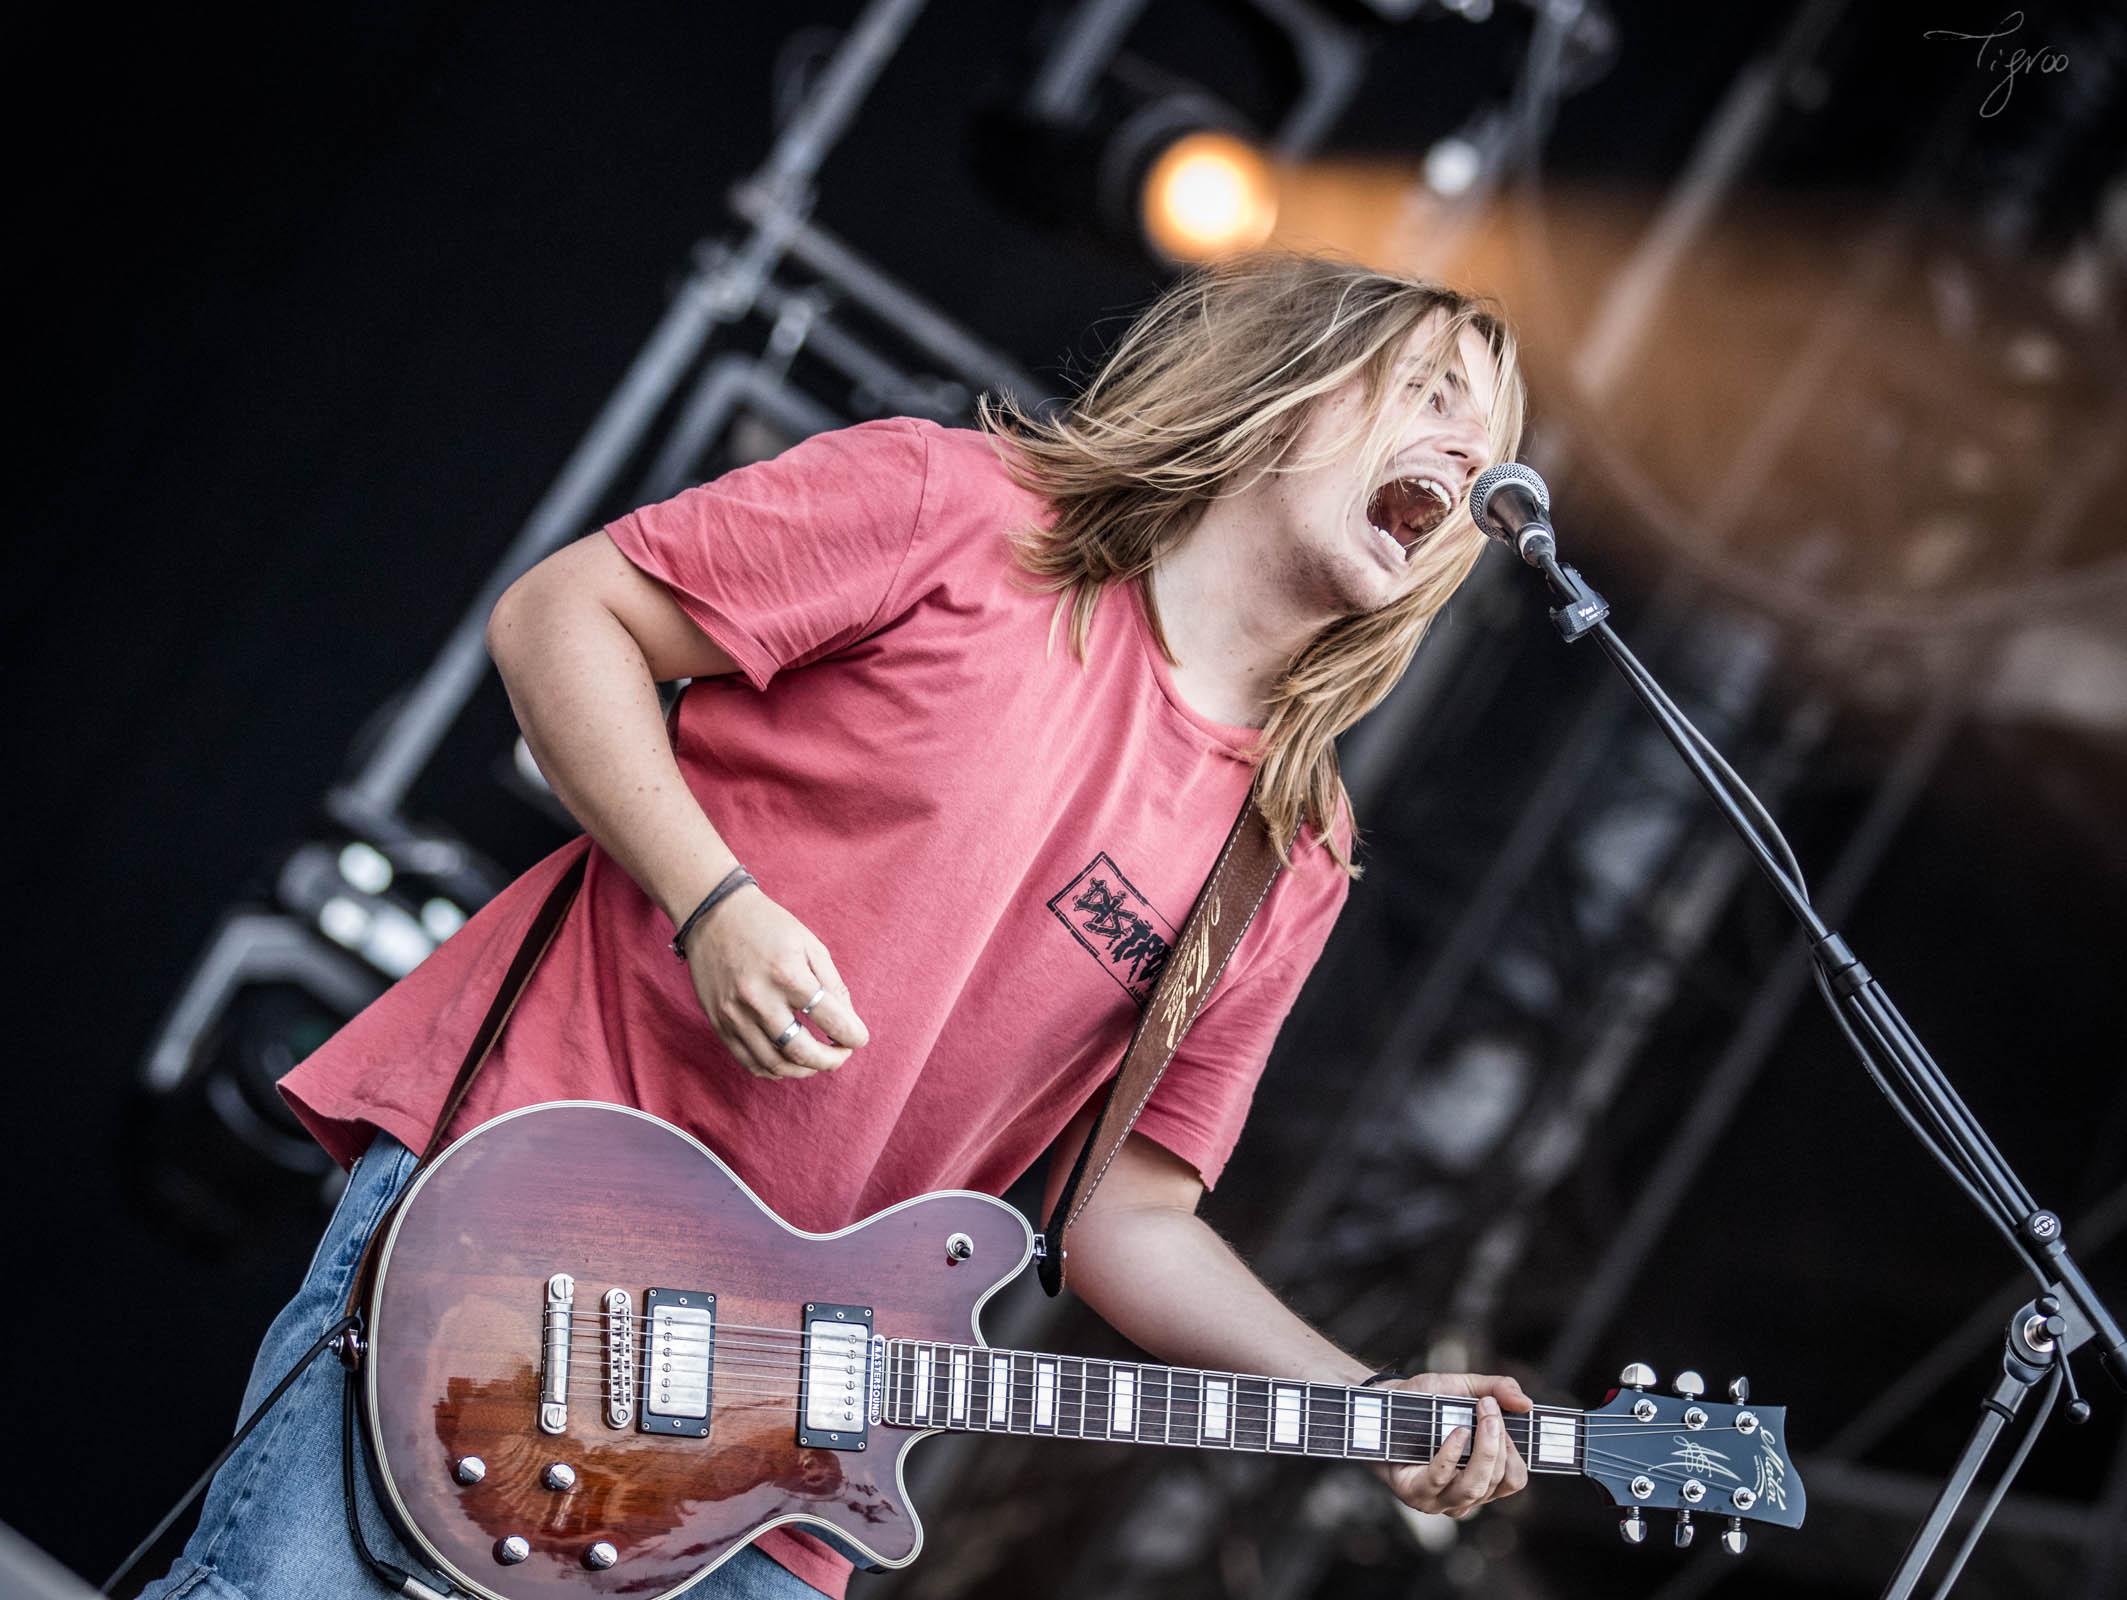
(959, 1402)
(1122, 1415)
(1455, 1414)
(923, 1380)
(1554, 1440)
(1045, 1394)
(1214, 1408)
(1000, 1388)
(1366, 1421)
(1285, 1416)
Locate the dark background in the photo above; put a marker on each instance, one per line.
(314, 310)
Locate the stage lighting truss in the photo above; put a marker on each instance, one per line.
(778, 330)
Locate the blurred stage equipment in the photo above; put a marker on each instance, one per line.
(778, 330)
(1512, 504)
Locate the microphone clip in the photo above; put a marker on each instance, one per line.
(1580, 608)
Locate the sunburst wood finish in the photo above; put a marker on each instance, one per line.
(623, 1200)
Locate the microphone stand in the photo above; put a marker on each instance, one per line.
(2067, 1312)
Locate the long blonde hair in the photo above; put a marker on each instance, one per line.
(1208, 390)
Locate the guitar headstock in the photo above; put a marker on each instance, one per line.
(1699, 1458)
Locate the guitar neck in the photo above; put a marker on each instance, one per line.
(976, 1389)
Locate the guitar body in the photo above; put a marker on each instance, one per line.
(460, 1364)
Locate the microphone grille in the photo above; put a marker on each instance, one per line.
(1493, 478)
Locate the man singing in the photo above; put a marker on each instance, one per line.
(974, 709)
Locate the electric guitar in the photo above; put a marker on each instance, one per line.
(596, 1364)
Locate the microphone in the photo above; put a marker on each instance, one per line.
(1510, 503)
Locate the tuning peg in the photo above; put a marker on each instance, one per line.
(1633, 1527)
(1688, 1384)
(1739, 1390)
(1637, 1376)
(1684, 1530)
(1735, 1538)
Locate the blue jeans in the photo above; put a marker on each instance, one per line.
(274, 1526)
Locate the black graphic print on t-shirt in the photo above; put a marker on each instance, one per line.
(1117, 925)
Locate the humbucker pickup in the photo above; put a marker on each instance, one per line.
(679, 1361)
(834, 1399)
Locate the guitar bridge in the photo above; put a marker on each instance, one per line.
(555, 1328)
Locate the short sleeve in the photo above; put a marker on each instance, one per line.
(784, 561)
(1202, 1100)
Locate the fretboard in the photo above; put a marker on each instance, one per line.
(977, 1389)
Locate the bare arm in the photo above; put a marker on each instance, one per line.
(582, 641)
(1156, 1272)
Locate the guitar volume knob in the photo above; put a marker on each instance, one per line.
(511, 1550)
(600, 1556)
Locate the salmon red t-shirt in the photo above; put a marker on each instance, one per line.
(995, 842)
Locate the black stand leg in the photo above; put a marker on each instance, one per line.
(2024, 1365)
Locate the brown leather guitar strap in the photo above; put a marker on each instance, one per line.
(1239, 883)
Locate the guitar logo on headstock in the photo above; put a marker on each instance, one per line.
(1772, 1471)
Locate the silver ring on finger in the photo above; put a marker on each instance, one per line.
(796, 1027)
(818, 995)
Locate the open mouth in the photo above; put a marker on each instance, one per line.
(1405, 510)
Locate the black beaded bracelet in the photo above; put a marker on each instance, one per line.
(733, 881)
(1385, 1375)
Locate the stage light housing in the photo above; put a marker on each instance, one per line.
(1207, 194)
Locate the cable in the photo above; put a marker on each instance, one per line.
(397, 1578)
(325, 1342)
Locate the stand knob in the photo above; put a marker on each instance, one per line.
(1739, 1391)
(1688, 1384)
(1637, 1376)
(1684, 1530)
(1735, 1538)
(1633, 1527)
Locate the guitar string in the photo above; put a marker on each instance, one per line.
(734, 1373)
(978, 1419)
(1245, 1413)
(782, 1338)
(979, 1373)
(981, 1355)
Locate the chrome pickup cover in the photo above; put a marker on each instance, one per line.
(679, 1360)
(834, 1411)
